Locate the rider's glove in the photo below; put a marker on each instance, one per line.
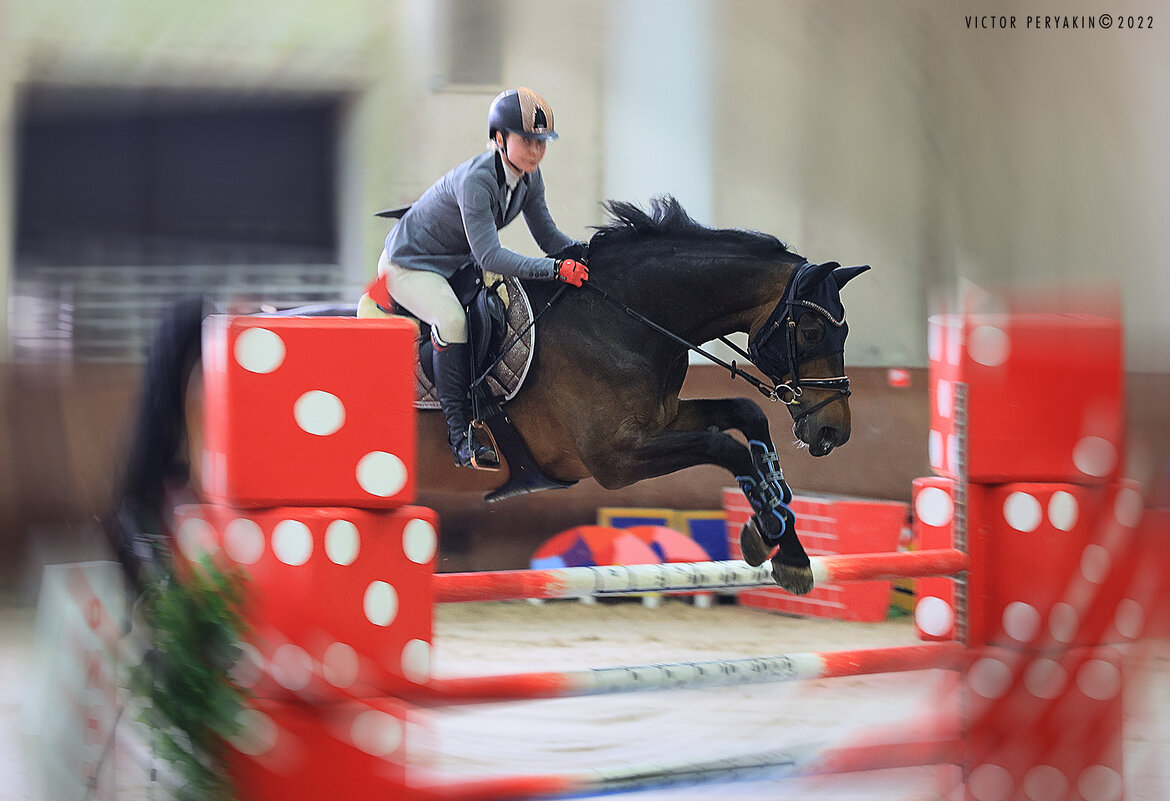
(572, 272)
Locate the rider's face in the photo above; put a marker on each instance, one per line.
(524, 154)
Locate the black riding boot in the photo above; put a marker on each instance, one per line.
(453, 383)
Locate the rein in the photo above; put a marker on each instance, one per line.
(770, 391)
(788, 393)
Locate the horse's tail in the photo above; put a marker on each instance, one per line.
(134, 521)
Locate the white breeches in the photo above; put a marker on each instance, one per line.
(428, 296)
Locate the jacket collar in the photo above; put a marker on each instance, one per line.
(501, 175)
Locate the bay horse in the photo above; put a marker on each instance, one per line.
(601, 397)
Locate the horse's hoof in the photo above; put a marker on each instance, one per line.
(797, 580)
(752, 546)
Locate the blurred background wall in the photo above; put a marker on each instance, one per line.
(151, 149)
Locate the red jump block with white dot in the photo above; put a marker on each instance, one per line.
(1053, 565)
(1046, 727)
(355, 750)
(312, 411)
(1044, 397)
(933, 502)
(339, 601)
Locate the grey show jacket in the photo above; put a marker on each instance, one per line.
(459, 216)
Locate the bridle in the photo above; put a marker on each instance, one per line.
(761, 349)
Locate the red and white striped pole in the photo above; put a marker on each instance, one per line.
(714, 673)
(578, 582)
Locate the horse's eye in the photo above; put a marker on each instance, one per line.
(812, 330)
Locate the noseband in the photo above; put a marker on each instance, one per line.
(763, 349)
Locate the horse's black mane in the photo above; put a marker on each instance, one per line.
(667, 218)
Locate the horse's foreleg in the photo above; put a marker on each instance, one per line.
(695, 436)
(774, 523)
(763, 481)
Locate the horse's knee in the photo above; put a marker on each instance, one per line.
(752, 420)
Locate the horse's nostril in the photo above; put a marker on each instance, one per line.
(829, 436)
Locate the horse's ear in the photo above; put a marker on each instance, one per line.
(817, 273)
(844, 275)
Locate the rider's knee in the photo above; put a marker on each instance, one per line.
(451, 326)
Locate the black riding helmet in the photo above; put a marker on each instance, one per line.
(521, 111)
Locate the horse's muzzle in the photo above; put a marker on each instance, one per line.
(820, 440)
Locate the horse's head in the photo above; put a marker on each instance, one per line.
(801, 347)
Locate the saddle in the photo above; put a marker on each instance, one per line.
(502, 338)
(501, 335)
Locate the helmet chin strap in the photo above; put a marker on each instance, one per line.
(502, 144)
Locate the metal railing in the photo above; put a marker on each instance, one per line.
(109, 314)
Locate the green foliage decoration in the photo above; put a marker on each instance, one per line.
(193, 704)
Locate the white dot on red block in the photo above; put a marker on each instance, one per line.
(1098, 679)
(934, 447)
(292, 542)
(1095, 456)
(416, 661)
(339, 665)
(1063, 622)
(934, 341)
(196, 537)
(257, 734)
(419, 541)
(1099, 783)
(1022, 511)
(376, 733)
(1021, 621)
(1063, 510)
(1045, 678)
(934, 616)
(953, 461)
(380, 603)
(243, 541)
(1128, 507)
(291, 667)
(1129, 619)
(381, 474)
(319, 412)
(259, 350)
(990, 783)
(989, 677)
(953, 342)
(1095, 563)
(342, 542)
(248, 667)
(989, 346)
(1045, 783)
(944, 397)
(934, 506)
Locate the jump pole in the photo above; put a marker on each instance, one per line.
(611, 580)
(810, 760)
(691, 675)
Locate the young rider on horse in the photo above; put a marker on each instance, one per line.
(455, 223)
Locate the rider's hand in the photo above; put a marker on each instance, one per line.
(572, 272)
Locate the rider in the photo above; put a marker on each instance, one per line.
(454, 223)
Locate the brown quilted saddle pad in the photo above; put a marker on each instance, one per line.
(508, 375)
